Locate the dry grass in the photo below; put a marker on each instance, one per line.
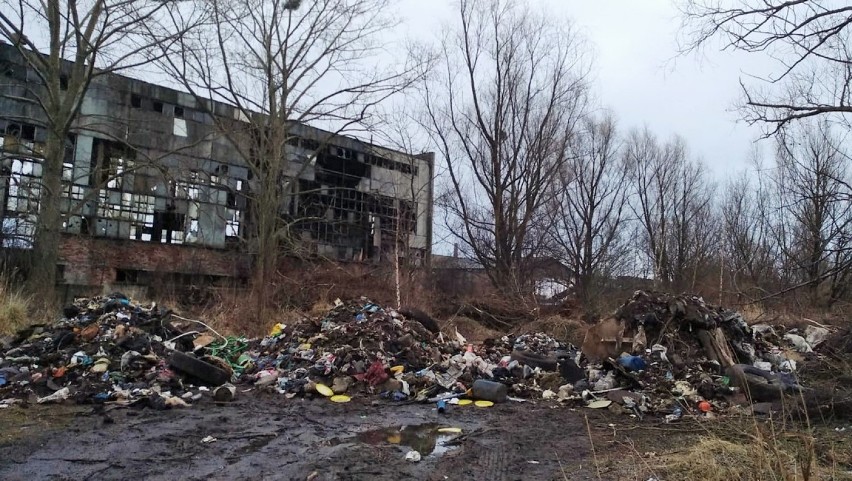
(730, 448)
(15, 309)
(472, 330)
(238, 315)
(715, 459)
(320, 308)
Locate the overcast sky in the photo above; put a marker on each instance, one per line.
(638, 76)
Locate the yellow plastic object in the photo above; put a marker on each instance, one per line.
(340, 398)
(465, 402)
(397, 369)
(483, 404)
(324, 390)
(599, 404)
(450, 430)
(276, 330)
(395, 438)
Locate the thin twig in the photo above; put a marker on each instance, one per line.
(203, 324)
(564, 476)
(592, 444)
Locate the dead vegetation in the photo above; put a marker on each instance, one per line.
(472, 330)
(761, 450)
(736, 447)
(15, 307)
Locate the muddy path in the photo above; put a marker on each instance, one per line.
(269, 437)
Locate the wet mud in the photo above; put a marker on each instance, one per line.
(267, 437)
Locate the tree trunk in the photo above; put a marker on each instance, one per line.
(267, 240)
(42, 279)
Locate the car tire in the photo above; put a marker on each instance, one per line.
(199, 369)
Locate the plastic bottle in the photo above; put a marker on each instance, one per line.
(490, 391)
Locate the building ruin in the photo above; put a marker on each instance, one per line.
(150, 187)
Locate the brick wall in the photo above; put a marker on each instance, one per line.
(96, 262)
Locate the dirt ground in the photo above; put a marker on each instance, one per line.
(265, 436)
(268, 437)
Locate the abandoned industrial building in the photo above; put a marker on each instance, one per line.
(149, 186)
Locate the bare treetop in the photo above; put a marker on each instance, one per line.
(105, 36)
(808, 39)
(304, 61)
(501, 109)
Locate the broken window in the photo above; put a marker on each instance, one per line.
(127, 276)
(110, 162)
(385, 163)
(13, 70)
(126, 201)
(23, 189)
(20, 139)
(142, 217)
(191, 191)
(168, 226)
(71, 189)
(23, 174)
(232, 223)
(408, 216)
(19, 231)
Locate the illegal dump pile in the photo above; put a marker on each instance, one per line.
(109, 349)
(102, 349)
(673, 355)
(658, 354)
(361, 347)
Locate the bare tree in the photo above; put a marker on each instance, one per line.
(808, 38)
(749, 246)
(501, 110)
(814, 216)
(67, 45)
(672, 201)
(281, 64)
(589, 207)
(400, 130)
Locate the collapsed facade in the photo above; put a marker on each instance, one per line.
(150, 188)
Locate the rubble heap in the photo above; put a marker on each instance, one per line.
(670, 354)
(658, 354)
(362, 346)
(111, 349)
(104, 348)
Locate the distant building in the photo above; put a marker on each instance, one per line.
(151, 187)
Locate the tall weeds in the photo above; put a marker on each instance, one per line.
(15, 307)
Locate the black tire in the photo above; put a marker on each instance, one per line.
(424, 319)
(757, 384)
(199, 369)
(535, 360)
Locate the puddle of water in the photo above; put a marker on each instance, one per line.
(423, 438)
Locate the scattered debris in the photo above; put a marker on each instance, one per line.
(704, 359)
(658, 354)
(413, 456)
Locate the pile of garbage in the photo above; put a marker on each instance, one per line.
(360, 346)
(658, 354)
(676, 354)
(110, 349)
(104, 348)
